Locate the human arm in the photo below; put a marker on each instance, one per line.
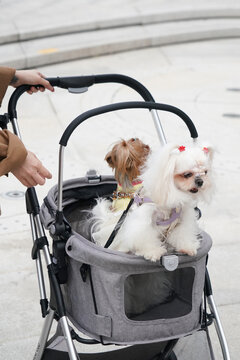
(31, 172)
(10, 76)
(13, 155)
(23, 164)
(6, 75)
(12, 152)
(31, 77)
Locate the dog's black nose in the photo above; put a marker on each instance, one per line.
(198, 182)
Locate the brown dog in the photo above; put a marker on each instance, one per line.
(127, 158)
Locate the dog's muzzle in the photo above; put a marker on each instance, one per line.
(198, 181)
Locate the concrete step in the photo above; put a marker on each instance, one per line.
(54, 18)
(84, 44)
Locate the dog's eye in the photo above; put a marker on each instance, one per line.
(187, 175)
(206, 172)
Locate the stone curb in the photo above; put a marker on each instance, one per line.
(16, 33)
(43, 51)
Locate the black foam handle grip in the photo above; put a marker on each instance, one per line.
(72, 81)
(62, 82)
(89, 80)
(80, 82)
(127, 105)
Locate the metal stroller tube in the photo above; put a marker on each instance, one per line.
(127, 105)
(109, 108)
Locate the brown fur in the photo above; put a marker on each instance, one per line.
(127, 158)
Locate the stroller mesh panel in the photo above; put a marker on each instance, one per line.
(161, 295)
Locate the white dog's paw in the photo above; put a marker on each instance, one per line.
(190, 252)
(184, 242)
(154, 254)
(189, 249)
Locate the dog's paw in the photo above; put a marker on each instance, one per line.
(189, 252)
(154, 254)
(189, 249)
(186, 245)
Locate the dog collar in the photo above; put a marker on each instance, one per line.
(119, 194)
(122, 195)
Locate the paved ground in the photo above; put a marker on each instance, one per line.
(202, 78)
(44, 32)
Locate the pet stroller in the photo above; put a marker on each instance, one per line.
(102, 292)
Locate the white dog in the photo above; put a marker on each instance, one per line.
(163, 214)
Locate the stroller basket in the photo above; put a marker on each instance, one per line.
(122, 298)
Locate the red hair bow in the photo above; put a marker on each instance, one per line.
(181, 148)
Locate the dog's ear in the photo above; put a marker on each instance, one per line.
(158, 176)
(108, 159)
(208, 151)
(147, 149)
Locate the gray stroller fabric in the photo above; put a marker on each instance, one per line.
(125, 299)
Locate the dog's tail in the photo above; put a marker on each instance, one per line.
(100, 214)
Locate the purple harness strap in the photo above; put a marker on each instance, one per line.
(139, 200)
(174, 214)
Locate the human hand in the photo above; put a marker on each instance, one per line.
(32, 172)
(31, 77)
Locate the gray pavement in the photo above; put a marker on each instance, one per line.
(202, 78)
(36, 33)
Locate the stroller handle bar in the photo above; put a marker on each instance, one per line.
(81, 82)
(127, 105)
(106, 109)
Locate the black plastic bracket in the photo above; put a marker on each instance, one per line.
(32, 204)
(38, 245)
(59, 260)
(4, 120)
(44, 307)
(60, 229)
(207, 320)
(81, 340)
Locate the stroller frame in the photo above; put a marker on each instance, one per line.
(40, 243)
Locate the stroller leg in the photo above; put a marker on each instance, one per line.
(216, 319)
(41, 284)
(219, 328)
(73, 355)
(44, 335)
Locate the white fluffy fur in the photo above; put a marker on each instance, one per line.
(164, 182)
